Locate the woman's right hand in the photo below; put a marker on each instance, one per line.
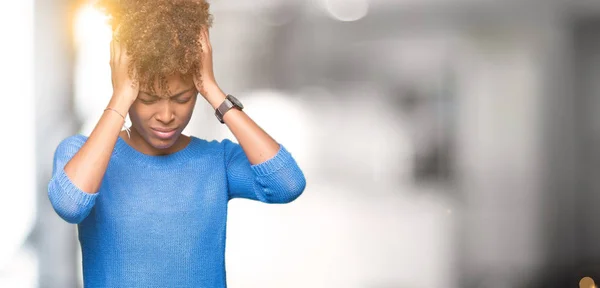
(125, 88)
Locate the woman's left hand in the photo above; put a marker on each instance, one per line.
(205, 82)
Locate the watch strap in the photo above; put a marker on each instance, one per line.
(225, 106)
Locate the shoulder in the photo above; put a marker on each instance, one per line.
(74, 141)
(70, 145)
(213, 146)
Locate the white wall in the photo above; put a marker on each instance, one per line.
(18, 264)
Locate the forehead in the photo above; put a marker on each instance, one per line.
(175, 83)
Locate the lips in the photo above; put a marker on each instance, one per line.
(163, 133)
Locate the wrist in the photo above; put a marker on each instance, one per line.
(120, 104)
(215, 96)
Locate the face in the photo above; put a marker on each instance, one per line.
(159, 120)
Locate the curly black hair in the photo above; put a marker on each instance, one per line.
(161, 37)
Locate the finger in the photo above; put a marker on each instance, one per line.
(207, 35)
(201, 38)
(118, 47)
(118, 51)
(126, 61)
(203, 35)
(206, 41)
(123, 52)
(205, 31)
(112, 62)
(112, 53)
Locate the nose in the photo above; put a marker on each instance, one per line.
(165, 114)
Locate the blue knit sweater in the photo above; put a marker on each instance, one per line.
(159, 221)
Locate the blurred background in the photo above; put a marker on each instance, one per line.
(446, 143)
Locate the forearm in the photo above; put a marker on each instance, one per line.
(87, 167)
(256, 143)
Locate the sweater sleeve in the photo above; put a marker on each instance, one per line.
(70, 203)
(277, 180)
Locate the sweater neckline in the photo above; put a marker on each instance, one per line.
(125, 150)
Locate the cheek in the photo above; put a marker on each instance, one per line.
(187, 111)
(138, 113)
(184, 115)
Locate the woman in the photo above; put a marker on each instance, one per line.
(151, 205)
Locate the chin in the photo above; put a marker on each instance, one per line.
(163, 144)
(160, 144)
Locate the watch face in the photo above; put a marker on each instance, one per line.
(235, 102)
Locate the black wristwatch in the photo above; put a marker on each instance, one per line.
(228, 103)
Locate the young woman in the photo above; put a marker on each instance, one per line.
(150, 202)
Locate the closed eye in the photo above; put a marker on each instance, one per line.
(183, 100)
(180, 98)
(145, 101)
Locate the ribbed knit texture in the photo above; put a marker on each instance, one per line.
(160, 221)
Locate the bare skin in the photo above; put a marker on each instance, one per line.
(150, 113)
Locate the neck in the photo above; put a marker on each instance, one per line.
(140, 144)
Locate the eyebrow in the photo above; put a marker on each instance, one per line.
(174, 96)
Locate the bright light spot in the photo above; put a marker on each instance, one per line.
(92, 70)
(347, 10)
(587, 282)
(90, 25)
